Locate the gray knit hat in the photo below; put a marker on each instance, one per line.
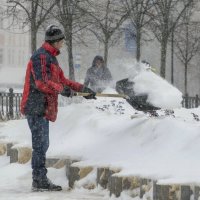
(53, 33)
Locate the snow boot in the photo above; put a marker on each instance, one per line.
(44, 185)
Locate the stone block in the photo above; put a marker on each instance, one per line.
(9, 148)
(145, 186)
(174, 192)
(2, 148)
(171, 192)
(24, 154)
(73, 175)
(60, 163)
(20, 154)
(103, 175)
(84, 171)
(154, 189)
(160, 192)
(185, 192)
(13, 155)
(77, 173)
(196, 192)
(130, 183)
(68, 165)
(50, 162)
(115, 185)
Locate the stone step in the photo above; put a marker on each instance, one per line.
(19, 154)
(175, 192)
(108, 178)
(58, 163)
(104, 174)
(117, 184)
(77, 173)
(3, 148)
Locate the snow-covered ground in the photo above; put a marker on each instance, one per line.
(109, 132)
(15, 184)
(100, 134)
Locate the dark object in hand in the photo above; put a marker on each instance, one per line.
(67, 92)
(91, 94)
(139, 102)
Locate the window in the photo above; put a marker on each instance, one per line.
(19, 57)
(1, 56)
(2, 40)
(9, 56)
(1, 23)
(130, 36)
(13, 57)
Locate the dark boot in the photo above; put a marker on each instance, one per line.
(45, 185)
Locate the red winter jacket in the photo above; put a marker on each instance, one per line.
(43, 82)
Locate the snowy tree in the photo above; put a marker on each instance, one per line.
(166, 14)
(187, 42)
(140, 16)
(105, 18)
(32, 13)
(72, 17)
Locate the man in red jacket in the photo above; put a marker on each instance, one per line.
(43, 82)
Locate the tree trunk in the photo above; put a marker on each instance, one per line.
(33, 28)
(33, 35)
(185, 84)
(186, 57)
(138, 45)
(33, 40)
(106, 51)
(163, 57)
(68, 33)
(172, 58)
(70, 60)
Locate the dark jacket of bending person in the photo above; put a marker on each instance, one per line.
(98, 76)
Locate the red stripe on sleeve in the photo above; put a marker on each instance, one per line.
(72, 84)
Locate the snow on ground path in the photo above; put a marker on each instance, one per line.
(64, 195)
(15, 184)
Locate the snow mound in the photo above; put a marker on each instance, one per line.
(103, 132)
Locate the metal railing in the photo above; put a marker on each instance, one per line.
(191, 102)
(10, 104)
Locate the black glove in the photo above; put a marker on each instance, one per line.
(91, 93)
(67, 92)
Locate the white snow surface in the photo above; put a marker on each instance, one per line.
(110, 132)
(15, 184)
(107, 132)
(160, 93)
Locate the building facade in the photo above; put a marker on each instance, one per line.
(14, 52)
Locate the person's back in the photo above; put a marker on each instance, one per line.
(98, 76)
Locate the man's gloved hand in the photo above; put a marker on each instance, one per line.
(91, 93)
(67, 92)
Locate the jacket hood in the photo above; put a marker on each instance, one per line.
(97, 58)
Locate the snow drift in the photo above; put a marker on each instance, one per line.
(103, 132)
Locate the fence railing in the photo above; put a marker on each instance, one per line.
(10, 104)
(191, 102)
